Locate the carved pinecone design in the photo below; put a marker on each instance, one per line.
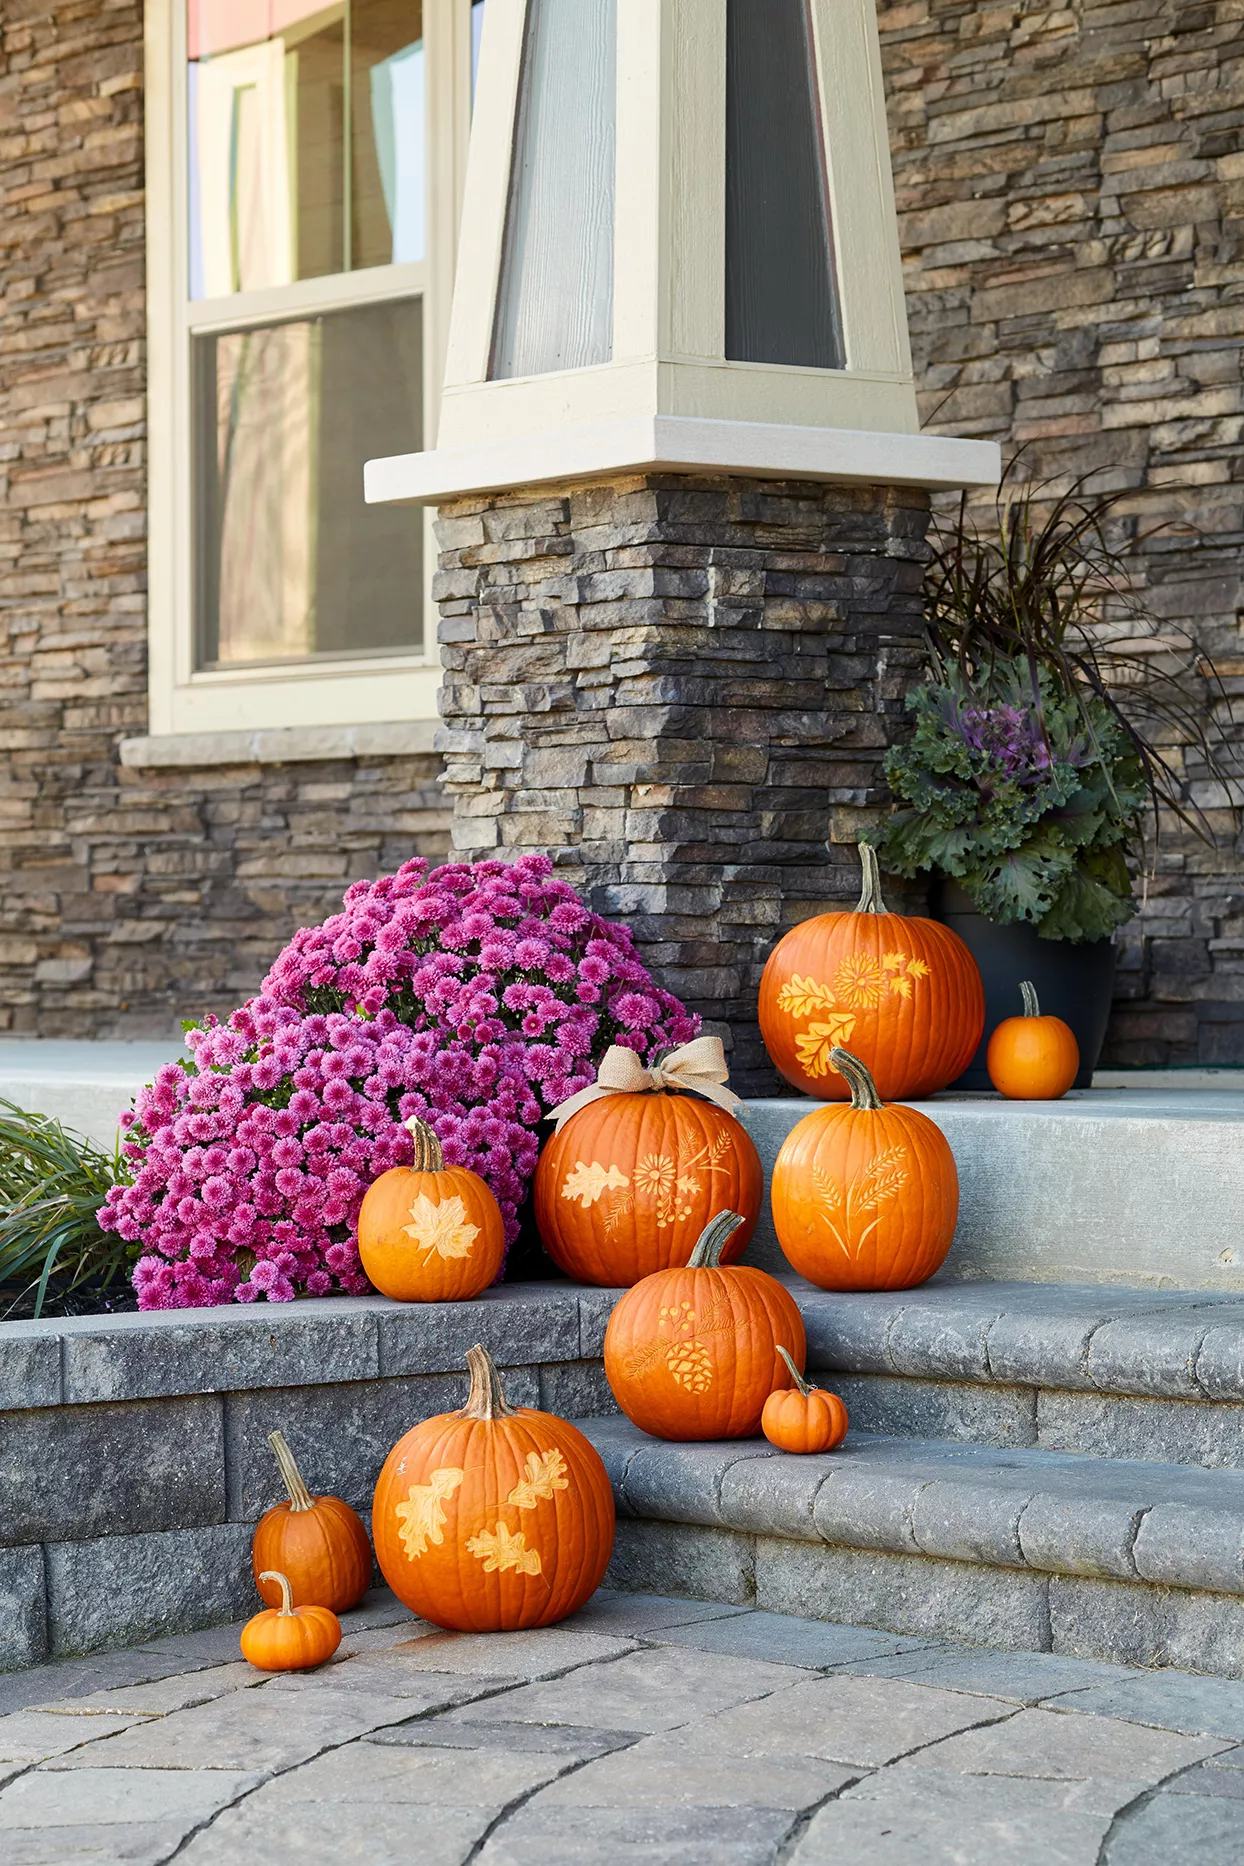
(691, 1365)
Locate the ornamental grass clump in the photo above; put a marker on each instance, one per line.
(476, 997)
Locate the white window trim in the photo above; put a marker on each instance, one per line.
(332, 692)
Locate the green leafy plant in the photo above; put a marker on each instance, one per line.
(53, 1255)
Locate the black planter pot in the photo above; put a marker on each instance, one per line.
(1072, 982)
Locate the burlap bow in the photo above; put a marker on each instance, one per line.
(699, 1067)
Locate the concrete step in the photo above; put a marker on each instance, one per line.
(1134, 1562)
(85, 1085)
(1108, 1373)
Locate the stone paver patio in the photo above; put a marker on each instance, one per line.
(646, 1729)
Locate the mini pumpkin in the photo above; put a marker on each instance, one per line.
(692, 1352)
(289, 1638)
(866, 1196)
(495, 1517)
(628, 1184)
(430, 1232)
(803, 1417)
(1032, 1058)
(902, 993)
(317, 1545)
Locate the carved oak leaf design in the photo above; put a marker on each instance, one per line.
(500, 1551)
(815, 1043)
(443, 1228)
(801, 996)
(423, 1513)
(545, 1473)
(587, 1183)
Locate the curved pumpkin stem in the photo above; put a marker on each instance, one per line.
(485, 1400)
(713, 1240)
(863, 1088)
(300, 1497)
(1028, 992)
(804, 1387)
(870, 901)
(286, 1608)
(429, 1157)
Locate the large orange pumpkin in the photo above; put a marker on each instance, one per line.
(903, 993)
(318, 1544)
(866, 1196)
(692, 1353)
(430, 1232)
(1033, 1058)
(630, 1182)
(494, 1517)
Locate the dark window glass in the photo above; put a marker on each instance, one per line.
(780, 299)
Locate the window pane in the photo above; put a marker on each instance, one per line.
(555, 303)
(283, 97)
(780, 297)
(290, 562)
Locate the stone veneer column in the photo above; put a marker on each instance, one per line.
(682, 689)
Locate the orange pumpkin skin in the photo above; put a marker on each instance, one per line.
(803, 1418)
(630, 1182)
(692, 1353)
(1032, 1058)
(493, 1518)
(430, 1232)
(289, 1639)
(866, 1196)
(318, 1543)
(903, 994)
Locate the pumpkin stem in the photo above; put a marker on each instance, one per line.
(870, 901)
(286, 1608)
(485, 1400)
(1028, 992)
(863, 1088)
(429, 1157)
(300, 1497)
(713, 1240)
(796, 1376)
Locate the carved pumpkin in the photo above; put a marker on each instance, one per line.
(629, 1183)
(867, 1196)
(494, 1517)
(289, 1638)
(803, 1417)
(1032, 1058)
(904, 994)
(317, 1543)
(692, 1353)
(430, 1232)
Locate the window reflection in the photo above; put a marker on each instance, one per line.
(307, 140)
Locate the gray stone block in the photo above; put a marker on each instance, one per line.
(1185, 1545)
(1194, 1432)
(1080, 1535)
(519, 1327)
(969, 1522)
(845, 1333)
(861, 1505)
(261, 1345)
(1220, 1360)
(29, 1365)
(707, 1564)
(576, 1390)
(775, 1495)
(537, 1835)
(120, 1590)
(947, 1337)
(83, 1471)
(617, 1441)
(902, 1408)
(1168, 1700)
(911, 1594)
(907, 1812)
(1045, 1349)
(1018, 1677)
(682, 1483)
(788, 1640)
(1152, 1354)
(595, 1308)
(1174, 1827)
(23, 1609)
(1147, 1626)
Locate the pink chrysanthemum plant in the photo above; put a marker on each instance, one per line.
(478, 997)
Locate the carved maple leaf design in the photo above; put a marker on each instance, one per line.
(423, 1513)
(545, 1473)
(802, 996)
(500, 1551)
(815, 1043)
(443, 1228)
(587, 1183)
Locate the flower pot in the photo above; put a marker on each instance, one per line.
(1073, 982)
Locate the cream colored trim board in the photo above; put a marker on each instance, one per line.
(283, 746)
(665, 443)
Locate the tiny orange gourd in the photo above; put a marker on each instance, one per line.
(865, 1196)
(692, 1352)
(493, 1518)
(430, 1232)
(902, 993)
(289, 1638)
(1032, 1058)
(318, 1544)
(803, 1417)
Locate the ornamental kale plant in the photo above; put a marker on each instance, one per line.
(1028, 800)
(478, 997)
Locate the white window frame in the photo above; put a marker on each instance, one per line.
(332, 691)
